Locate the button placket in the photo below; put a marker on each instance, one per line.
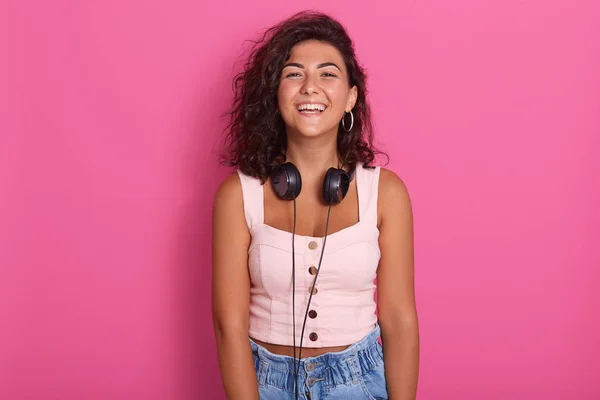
(312, 380)
(313, 255)
(313, 336)
(312, 374)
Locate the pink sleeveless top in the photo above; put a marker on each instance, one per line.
(342, 310)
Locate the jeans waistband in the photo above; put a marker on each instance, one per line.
(332, 368)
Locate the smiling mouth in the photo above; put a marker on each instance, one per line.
(311, 109)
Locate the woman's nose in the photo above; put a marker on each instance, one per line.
(310, 85)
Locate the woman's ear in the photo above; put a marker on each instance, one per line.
(352, 97)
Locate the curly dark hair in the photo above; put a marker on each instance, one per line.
(256, 138)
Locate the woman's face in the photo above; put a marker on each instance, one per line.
(313, 91)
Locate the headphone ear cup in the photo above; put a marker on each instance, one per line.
(335, 185)
(286, 181)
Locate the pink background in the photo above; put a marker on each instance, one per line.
(489, 110)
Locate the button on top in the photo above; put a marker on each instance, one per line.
(312, 245)
(310, 366)
(312, 270)
(313, 336)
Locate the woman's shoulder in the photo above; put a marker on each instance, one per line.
(390, 180)
(229, 191)
(236, 187)
(234, 183)
(393, 192)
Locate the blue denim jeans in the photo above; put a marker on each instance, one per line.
(352, 374)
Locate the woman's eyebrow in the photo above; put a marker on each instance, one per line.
(328, 64)
(297, 65)
(322, 65)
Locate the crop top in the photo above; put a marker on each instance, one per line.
(342, 308)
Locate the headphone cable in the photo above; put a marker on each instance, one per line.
(314, 281)
(294, 297)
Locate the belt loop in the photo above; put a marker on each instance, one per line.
(262, 372)
(354, 369)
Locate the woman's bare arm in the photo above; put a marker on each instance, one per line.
(231, 291)
(395, 293)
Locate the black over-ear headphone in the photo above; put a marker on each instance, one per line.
(287, 182)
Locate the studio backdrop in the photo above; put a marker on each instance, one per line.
(110, 123)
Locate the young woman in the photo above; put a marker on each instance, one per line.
(305, 225)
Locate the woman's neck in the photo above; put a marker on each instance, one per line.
(313, 156)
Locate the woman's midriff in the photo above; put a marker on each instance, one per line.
(306, 351)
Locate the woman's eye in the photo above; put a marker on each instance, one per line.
(297, 74)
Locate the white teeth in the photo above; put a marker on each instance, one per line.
(319, 107)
